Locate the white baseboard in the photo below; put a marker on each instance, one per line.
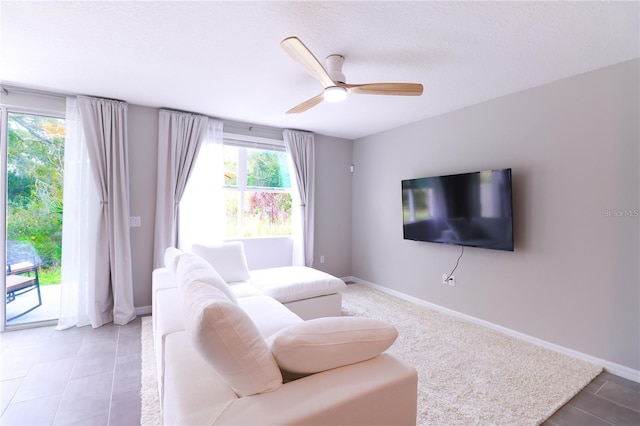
(611, 367)
(143, 310)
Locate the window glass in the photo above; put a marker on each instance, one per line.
(267, 169)
(258, 192)
(34, 205)
(230, 166)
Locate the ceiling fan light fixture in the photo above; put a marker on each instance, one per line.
(335, 94)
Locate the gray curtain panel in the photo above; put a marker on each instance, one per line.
(300, 146)
(105, 127)
(180, 135)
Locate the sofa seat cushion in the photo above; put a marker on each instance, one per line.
(167, 318)
(244, 289)
(225, 337)
(325, 343)
(289, 283)
(269, 315)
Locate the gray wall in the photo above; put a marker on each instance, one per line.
(333, 205)
(143, 157)
(573, 279)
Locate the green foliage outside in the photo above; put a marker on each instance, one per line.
(35, 164)
(267, 210)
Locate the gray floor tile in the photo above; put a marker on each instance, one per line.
(605, 409)
(129, 344)
(27, 337)
(132, 329)
(85, 398)
(620, 395)
(572, 416)
(106, 332)
(621, 381)
(45, 378)
(57, 348)
(95, 357)
(101, 420)
(70, 334)
(125, 409)
(16, 361)
(8, 388)
(34, 412)
(127, 375)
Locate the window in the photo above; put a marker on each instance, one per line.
(257, 190)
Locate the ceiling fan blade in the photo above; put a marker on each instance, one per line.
(308, 104)
(303, 56)
(399, 89)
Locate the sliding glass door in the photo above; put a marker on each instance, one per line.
(34, 178)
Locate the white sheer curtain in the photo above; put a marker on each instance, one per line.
(202, 208)
(82, 209)
(300, 147)
(180, 135)
(96, 216)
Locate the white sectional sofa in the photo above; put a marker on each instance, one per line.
(235, 354)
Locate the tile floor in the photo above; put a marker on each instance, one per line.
(85, 376)
(80, 376)
(607, 400)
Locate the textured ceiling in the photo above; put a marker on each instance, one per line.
(223, 59)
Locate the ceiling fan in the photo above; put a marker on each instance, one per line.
(333, 80)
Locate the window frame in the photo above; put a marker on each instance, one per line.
(7, 108)
(242, 143)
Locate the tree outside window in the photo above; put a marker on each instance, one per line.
(35, 164)
(258, 192)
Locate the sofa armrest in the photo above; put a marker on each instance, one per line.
(379, 391)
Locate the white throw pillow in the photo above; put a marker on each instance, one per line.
(229, 341)
(227, 258)
(193, 268)
(325, 343)
(171, 257)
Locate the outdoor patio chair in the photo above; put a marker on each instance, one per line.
(22, 273)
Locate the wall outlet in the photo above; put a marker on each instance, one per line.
(451, 281)
(135, 221)
(321, 259)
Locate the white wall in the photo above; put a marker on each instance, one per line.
(573, 279)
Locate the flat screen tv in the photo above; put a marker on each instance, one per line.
(468, 209)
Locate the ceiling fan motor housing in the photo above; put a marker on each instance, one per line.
(334, 68)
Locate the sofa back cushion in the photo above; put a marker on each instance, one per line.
(229, 341)
(324, 343)
(171, 258)
(192, 268)
(227, 258)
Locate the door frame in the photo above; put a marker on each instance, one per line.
(5, 110)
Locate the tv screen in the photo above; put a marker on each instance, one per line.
(468, 209)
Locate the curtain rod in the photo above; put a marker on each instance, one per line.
(251, 127)
(7, 89)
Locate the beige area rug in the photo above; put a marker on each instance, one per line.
(467, 374)
(149, 395)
